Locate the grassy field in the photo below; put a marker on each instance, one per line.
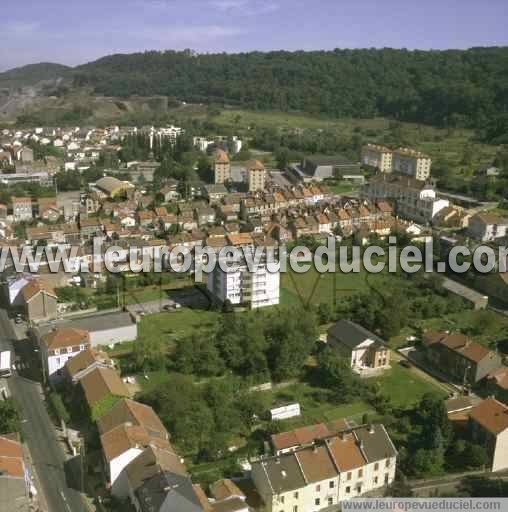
(404, 387)
(314, 288)
(174, 325)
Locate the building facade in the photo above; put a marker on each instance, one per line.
(221, 167)
(415, 200)
(377, 156)
(349, 464)
(256, 175)
(252, 288)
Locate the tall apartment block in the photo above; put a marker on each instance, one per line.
(406, 161)
(254, 288)
(221, 167)
(411, 163)
(256, 175)
(377, 156)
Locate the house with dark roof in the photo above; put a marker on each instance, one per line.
(363, 349)
(460, 358)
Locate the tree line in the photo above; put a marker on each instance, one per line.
(442, 88)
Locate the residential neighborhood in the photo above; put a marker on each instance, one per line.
(95, 336)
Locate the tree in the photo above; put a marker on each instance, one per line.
(9, 417)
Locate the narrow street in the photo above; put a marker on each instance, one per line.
(39, 434)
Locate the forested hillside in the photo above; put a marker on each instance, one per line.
(32, 74)
(453, 87)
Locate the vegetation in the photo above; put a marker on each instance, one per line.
(59, 407)
(454, 87)
(31, 74)
(10, 419)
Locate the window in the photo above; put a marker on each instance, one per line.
(317, 501)
(295, 508)
(318, 488)
(349, 476)
(376, 480)
(330, 501)
(282, 499)
(295, 495)
(387, 463)
(376, 466)
(331, 484)
(359, 489)
(387, 478)
(360, 473)
(348, 490)
(58, 361)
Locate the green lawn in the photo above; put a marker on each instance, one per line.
(315, 288)
(403, 386)
(316, 404)
(174, 325)
(342, 188)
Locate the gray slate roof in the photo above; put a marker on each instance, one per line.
(350, 334)
(168, 492)
(376, 443)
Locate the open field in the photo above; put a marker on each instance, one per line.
(404, 387)
(175, 324)
(313, 287)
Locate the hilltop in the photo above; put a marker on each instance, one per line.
(463, 88)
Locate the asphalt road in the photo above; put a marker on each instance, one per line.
(39, 433)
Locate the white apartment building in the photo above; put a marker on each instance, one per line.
(377, 156)
(415, 200)
(254, 289)
(343, 466)
(411, 163)
(402, 160)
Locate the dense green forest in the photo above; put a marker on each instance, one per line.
(442, 88)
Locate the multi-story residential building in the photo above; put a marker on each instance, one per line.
(256, 175)
(487, 227)
(411, 163)
(459, 357)
(312, 478)
(221, 167)
(60, 345)
(402, 160)
(21, 208)
(489, 426)
(254, 288)
(415, 199)
(377, 156)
